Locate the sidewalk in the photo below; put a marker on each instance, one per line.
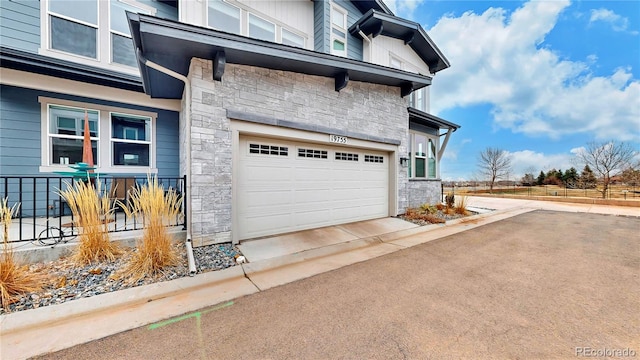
(33, 332)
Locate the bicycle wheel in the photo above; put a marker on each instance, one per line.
(50, 236)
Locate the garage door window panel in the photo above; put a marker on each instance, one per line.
(265, 149)
(313, 153)
(346, 156)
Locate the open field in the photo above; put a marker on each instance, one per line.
(618, 192)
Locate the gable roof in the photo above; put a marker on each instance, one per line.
(377, 23)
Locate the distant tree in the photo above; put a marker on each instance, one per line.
(570, 178)
(528, 180)
(541, 177)
(587, 179)
(552, 178)
(560, 176)
(607, 159)
(494, 164)
(631, 175)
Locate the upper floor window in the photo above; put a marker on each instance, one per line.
(73, 27)
(224, 16)
(239, 19)
(76, 31)
(122, 51)
(261, 29)
(290, 38)
(418, 99)
(338, 31)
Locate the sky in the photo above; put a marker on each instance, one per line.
(538, 79)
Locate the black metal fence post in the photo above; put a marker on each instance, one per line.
(184, 202)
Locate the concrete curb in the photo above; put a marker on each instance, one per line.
(34, 332)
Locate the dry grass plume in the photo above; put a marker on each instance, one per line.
(158, 208)
(92, 209)
(14, 279)
(461, 205)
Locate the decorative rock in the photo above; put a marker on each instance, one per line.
(71, 282)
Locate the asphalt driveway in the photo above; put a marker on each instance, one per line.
(539, 285)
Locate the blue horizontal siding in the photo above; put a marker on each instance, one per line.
(20, 24)
(322, 27)
(354, 43)
(20, 131)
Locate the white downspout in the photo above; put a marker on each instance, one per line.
(365, 37)
(187, 115)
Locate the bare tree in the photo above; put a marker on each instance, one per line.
(494, 164)
(606, 159)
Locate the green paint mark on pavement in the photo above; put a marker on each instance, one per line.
(196, 314)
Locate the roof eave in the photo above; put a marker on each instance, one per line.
(431, 120)
(45, 65)
(188, 41)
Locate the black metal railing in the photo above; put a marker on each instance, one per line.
(41, 207)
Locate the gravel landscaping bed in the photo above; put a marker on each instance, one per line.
(439, 214)
(68, 282)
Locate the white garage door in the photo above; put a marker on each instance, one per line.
(286, 186)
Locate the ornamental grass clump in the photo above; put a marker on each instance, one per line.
(461, 205)
(157, 208)
(14, 279)
(92, 210)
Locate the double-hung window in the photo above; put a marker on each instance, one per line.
(422, 155)
(122, 51)
(338, 31)
(92, 32)
(66, 134)
(73, 27)
(121, 139)
(130, 139)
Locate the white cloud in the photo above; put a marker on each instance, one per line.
(617, 22)
(403, 8)
(530, 161)
(498, 59)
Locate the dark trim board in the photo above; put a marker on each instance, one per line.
(421, 117)
(45, 65)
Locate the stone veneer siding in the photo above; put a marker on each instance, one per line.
(365, 108)
(423, 191)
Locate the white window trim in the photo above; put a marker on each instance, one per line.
(333, 36)
(412, 159)
(105, 153)
(103, 52)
